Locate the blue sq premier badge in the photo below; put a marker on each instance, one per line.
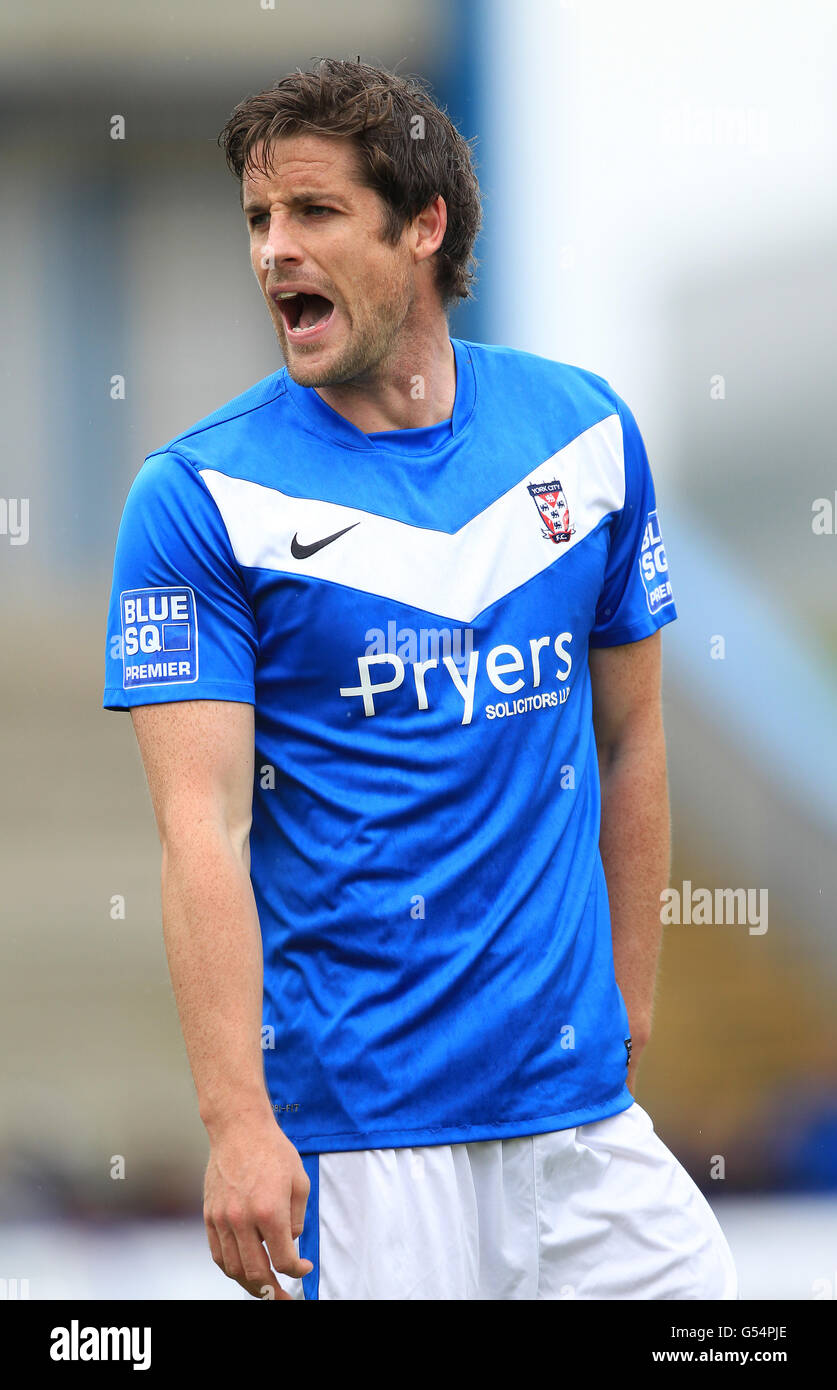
(653, 566)
(159, 637)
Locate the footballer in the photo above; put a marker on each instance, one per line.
(389, 628)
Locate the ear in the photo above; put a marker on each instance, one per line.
(428, 229)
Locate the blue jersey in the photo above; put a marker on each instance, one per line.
(410, 613)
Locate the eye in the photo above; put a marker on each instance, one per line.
(256, 217)
(318, 207)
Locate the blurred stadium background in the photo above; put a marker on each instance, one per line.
(655, 211)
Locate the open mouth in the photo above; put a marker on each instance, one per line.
(305, 315)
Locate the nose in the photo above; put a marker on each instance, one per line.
(280, 245)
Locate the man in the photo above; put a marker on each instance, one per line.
(385, 623)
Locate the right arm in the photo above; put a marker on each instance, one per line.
(198, 757)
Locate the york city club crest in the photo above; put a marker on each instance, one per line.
(555, 513)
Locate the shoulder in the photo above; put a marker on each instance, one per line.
(544, 383)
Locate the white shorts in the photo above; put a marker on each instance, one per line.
(600, 1211)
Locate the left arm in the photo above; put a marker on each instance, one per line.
(635, 831)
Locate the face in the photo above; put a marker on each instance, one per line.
(338, 295)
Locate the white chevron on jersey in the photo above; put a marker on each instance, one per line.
(454, 575)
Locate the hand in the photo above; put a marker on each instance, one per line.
(255, 1190)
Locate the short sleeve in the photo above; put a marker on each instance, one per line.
(636, 596)
(180, 625)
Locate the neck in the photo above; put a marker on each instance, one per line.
(413, 387)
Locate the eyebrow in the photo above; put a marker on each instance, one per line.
(298, 200)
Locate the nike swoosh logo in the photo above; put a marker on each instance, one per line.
(301, 552)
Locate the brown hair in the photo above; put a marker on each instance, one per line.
(406, 160)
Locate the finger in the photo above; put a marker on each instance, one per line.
(230, 1258)
(266, 1286)
(284, 1255)
(255, 1264)
(269, 1288)
(214, 1242)
(299, 1201)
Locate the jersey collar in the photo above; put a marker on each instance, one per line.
(324, 421)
